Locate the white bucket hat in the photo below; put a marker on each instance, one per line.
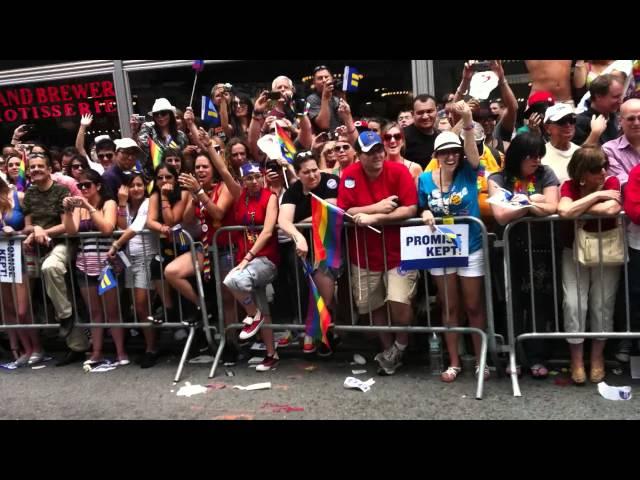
(161, 105)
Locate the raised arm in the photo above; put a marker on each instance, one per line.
(508, 98)
(257, 120)
(470, 149)
(85, 122)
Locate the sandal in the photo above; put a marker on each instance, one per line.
(539, 371)
(450, 374)
(486, 372)
(597, 374)
(578, 376)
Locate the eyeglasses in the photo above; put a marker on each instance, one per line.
(84, 185)
(163, 113)
(632, 118)
(108, 156)
(76, 166)
(341, 148)
(389, 136)
(568, 120)
(165, 177)
(598, 168)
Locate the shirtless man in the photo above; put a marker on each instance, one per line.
(553, 76)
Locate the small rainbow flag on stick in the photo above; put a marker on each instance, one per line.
(155, 153)
(21, 181)
(286, 145)
(326, 222)
(318, 316)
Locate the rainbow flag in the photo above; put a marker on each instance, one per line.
(318, 316)
(21, 182)
(155, 153)
(286, 145)
(326, 222)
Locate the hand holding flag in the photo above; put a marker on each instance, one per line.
(286, 145)
(198, 66)
(208, 113)
(318, 316)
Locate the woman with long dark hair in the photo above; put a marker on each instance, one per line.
(163, 130)
(77, 167)
(94, 211)
(535, 184)
(166, 210)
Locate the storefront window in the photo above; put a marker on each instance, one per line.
(384, 90)
(54, 108)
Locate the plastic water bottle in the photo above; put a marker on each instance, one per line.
(435, 355)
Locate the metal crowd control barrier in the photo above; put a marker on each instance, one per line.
(41, 318)
(513, 337)
(485, 338)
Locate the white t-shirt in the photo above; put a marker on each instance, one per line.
(146, 244)
(558, 160)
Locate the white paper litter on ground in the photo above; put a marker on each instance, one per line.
(351, 382)
(358, 372)
(255, 386)
(255, 360)
(614, 393)
(189, 390)
(359, 359)
(201, 359)
(38, 367)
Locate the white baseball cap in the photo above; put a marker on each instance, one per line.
(125, 143)
(557, 111)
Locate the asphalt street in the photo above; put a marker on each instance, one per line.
(297, 392)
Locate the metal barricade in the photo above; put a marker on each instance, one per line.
(487, 338)
(38, 313)
(555, 244)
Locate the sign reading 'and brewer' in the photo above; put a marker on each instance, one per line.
(67, 100)
(10, 261)
(421, 248)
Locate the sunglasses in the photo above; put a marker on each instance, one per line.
(108, 156)
(568, 120)
(37, 155)
(84, 185)
(341, 148)
(319, 67)
(598, 168)
(163, 113)
(632, 118)
(387, 137)
(76, 166)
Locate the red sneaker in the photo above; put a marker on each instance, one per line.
(252, 325)
(269, 363)
(309, 346)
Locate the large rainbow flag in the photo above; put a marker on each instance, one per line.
(318, 316)
(326, 221)
(286, 145)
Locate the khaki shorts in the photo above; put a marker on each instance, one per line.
(395, 285)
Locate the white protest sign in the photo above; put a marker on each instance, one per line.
(10, 261)
(482, 84)
(422, 248)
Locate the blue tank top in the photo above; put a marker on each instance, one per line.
(15, 219)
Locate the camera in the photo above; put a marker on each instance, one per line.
(227, 87)
(482, 66)
(272, 165)
(140, 118)
(274, 95)
(337, 85)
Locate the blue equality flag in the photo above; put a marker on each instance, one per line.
(106, 280)
(208, 113)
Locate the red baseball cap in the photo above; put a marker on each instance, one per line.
(538, 97)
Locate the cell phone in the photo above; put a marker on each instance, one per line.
(482, 66)
(140, 118)
(273, 166)
(28, 127)
(274, 95)
(25, 146)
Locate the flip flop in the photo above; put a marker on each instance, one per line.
(539, 371)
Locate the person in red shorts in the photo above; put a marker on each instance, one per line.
(379, 192)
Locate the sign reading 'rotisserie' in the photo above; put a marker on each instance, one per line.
(67, 100)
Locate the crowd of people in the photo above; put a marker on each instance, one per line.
(434, 160)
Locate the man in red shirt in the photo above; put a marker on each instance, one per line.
(379, 192)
